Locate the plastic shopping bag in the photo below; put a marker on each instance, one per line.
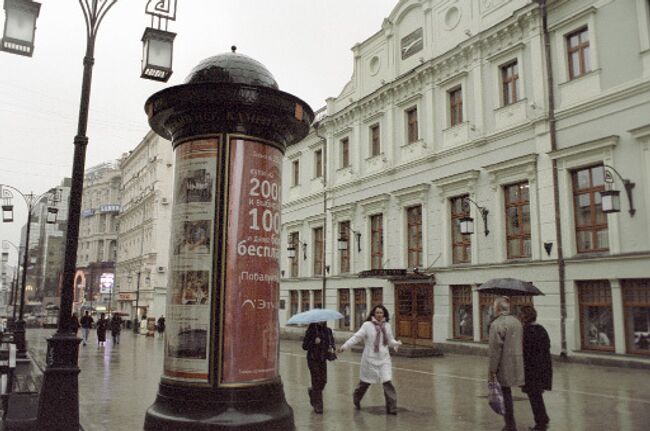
(495, 398)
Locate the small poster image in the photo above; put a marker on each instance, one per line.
(194, 186)
(190, 287)
(188, 341)
(192, 237)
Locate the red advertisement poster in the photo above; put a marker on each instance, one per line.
(251, 295)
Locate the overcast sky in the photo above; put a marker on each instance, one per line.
(304, 43)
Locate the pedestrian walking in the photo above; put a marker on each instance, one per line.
(86, 324)
(538, 367)
(320, 347)
(116, 328)
(74, 323)
(160, 326)
(144, 325)
(506, 356)
(102, 325)
(376, 364)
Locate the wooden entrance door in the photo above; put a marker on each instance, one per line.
(414, 313)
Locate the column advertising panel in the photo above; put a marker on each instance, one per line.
(190, 277)
(252, 288)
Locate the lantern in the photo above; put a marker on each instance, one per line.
(20, 26)
(157, 50)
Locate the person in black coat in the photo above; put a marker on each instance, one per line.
(538, 368)
(102, 325)
(319, 344)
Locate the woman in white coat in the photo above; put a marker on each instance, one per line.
(376, 365)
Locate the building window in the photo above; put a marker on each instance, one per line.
(293, 302)
(100, 251)
(412, 125)
(295, 173)
(462, 308)
(294, 241)
(578, 53)
(376, 296)
(360, 307)
(590, 220)
(636, 301)
(375, 140)
(455, 106)
(345, 152)
(318, 163)
(461, 244)
(318, 250)
(318, 299)
(596, 321)
(517, 207)
(376, 241)
(304, 300)
(344, 256)
(344, 309)
(414, 236)
(510, 83)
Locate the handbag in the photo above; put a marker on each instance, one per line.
(495, 398)
(330, 355)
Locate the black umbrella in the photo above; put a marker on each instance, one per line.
(509, 287)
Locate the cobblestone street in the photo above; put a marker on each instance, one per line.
(117, 385)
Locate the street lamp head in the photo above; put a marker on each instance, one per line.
(466, 225)
(610, 201)
(342, 243)
(20, 26)
(157, 53)
(51, 215)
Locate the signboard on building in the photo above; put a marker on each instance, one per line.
(88, 212)
(126, 296)
(112, 208)
(106, 282)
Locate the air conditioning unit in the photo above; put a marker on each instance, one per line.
(161, 269)
(164, 201)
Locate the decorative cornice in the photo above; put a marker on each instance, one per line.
(606, 143)
(410, 194)
(641, 133)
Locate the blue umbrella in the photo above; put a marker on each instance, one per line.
(314, 316)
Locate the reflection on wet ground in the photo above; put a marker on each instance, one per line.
(118, 383)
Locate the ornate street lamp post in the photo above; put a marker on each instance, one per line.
(30, 200)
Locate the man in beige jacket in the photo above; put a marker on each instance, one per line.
(506, 355)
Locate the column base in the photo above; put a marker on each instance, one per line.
(58, 407)
(256, 408)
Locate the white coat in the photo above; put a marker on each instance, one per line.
(375, 366)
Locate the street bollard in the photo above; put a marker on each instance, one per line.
(229, 126)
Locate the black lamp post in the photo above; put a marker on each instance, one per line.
(30, 200)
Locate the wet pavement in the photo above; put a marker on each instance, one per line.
(118, 383)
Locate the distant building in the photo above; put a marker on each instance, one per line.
(144, 227)
(446, 118)
(97, 244)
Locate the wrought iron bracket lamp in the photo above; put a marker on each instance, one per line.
(611, 198)
(343, 241)
(291, 250)
(467, 222)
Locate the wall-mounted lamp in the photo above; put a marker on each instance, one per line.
(343, 239)
(291, 250)
(327, 268)
(467, 222)
(611, 199)
(282, 273)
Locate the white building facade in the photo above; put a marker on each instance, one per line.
(446, 117)
(144, 227)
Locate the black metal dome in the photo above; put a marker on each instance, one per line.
(233, 68)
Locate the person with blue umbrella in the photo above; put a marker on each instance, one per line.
(320, 347)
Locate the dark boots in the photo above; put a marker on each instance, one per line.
(358, 394)
(316, 400)
(390, 395)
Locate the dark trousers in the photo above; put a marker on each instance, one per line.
(539, 409)
(318, 372)
(390, 395)
(510, 413)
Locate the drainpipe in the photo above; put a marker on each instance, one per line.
(316, 125)
(556, 192)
